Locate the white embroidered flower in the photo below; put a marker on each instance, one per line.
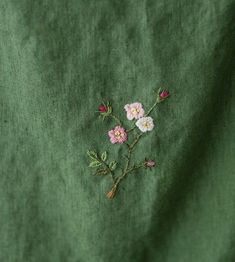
(145, 124)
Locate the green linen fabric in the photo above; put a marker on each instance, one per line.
(59, 60)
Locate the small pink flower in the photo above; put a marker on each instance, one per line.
(164, 94)
(118, 135)
(134, 111)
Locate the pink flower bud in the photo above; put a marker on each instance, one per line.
(103, 109)
(149, 163)
(164, 94)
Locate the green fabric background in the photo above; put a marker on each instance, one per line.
(59, 60)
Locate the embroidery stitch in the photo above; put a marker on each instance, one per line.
(121, 135)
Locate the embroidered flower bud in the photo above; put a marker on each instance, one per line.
(103, 109)
(164, 94)
(149, 163)
(111, 194)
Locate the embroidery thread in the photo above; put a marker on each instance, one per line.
(120, 135)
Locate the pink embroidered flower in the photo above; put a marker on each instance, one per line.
(118, 135)
(164, 94)
(134, 111)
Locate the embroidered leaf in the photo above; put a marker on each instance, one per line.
(95, 164)
(104, 156)
(113, 165)
(92, 154)
(93, 158)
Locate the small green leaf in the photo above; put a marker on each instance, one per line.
(113, 165)
(92, 154)
(94, 164)
(93, 158)
(104, 156)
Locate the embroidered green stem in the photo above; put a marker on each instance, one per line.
(116, 119)
(135, 168)
(127, 168)
(131, 129)
(136, 141)
(151, 109)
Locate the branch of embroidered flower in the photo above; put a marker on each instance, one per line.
(161, 96)
(126, 170)
(130, 150)
(135, 168)
(111, 194)
(131, 146)
(131, 129)
(148, 163)
(151, 109)
(113, 190)
(135, 141)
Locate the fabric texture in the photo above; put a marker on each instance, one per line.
(59, 60)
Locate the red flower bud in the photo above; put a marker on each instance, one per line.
(103, 109)
(164, 94)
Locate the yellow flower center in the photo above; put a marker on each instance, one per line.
(117, 133)
(146, 124)
(135, 111)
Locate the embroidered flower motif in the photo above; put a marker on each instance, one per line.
(149, 163)
(134, 111)
(118, 135)
(103, 164)
(145, 124)
(164, 94)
